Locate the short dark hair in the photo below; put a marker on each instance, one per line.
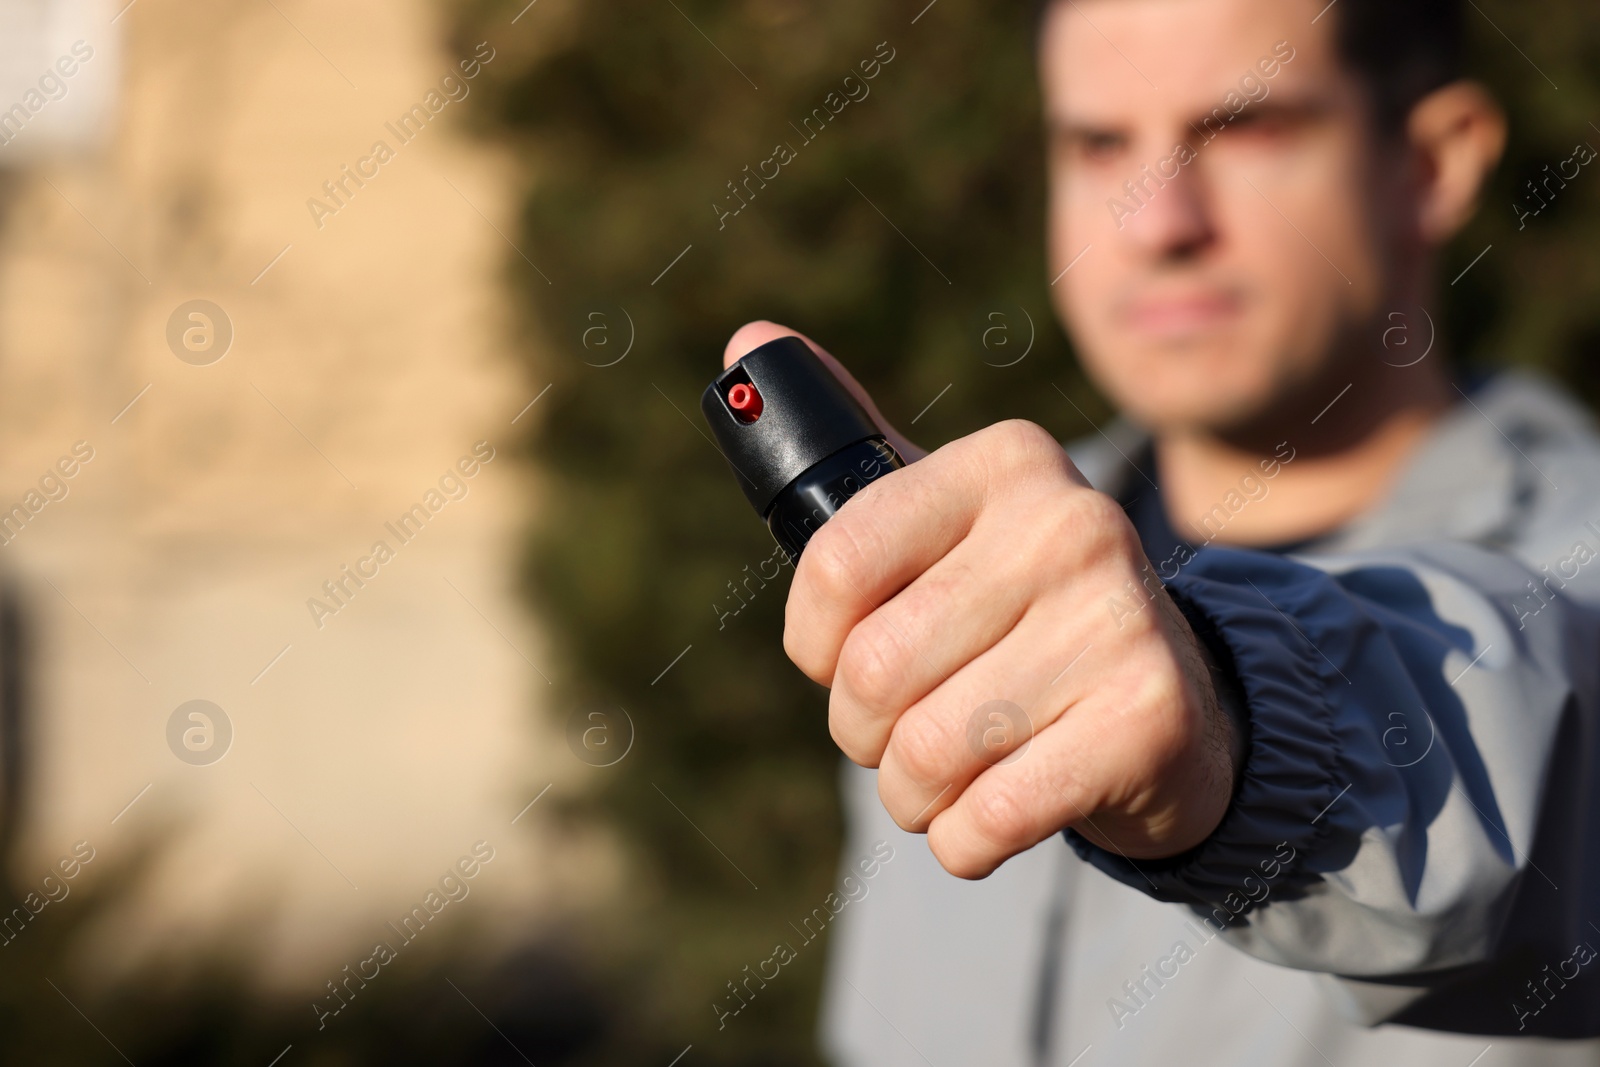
(1402, 49)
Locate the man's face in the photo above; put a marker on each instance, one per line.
(1239, 266)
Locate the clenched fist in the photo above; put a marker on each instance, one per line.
(973, 583)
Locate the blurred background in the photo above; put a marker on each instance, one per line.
(283, 281)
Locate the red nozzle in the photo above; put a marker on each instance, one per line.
(745, 402)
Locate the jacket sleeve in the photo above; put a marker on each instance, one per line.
(1417, 801)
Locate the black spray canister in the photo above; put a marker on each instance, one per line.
(798, 442)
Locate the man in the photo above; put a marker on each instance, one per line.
(1307, 665)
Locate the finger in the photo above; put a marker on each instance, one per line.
(752, 335)
(1057, 655)
(1012, 806)
(900, 526)
(986, 714)
(886, 535)
(1113, 749)
(899, 654)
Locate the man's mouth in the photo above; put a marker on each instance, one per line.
(1182, 315)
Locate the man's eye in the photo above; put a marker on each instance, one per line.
(1261, 124)
(1099, 147)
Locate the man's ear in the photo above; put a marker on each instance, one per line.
(1457, 134)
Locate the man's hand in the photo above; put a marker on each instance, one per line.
(987, 572)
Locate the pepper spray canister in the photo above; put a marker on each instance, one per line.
(799, 444)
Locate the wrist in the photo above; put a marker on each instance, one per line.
(1227, 712)
(1214, 766)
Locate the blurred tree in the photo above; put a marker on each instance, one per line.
(906, 234)
(1534, 298)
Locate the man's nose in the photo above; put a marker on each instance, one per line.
(1172, 216)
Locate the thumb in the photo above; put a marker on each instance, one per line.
(752, 335)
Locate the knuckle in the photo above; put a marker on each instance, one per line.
(856, 743)
(1164, 725)
(999, 818)
(829, 559)
(922, 751)
(1154, 720)
(1015, 446)
(835, 561)
(957, 861)
(872, 665)
(1090, 528)
(1101, 511)
(998, 451)
(893, 795)
(1097, 521)
(1020, 438)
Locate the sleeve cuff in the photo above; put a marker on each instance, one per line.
(1290, 776)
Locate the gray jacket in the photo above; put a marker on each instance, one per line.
(1410, 872)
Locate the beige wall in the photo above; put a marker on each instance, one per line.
(401, 731)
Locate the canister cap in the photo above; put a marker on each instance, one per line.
(803, 414)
